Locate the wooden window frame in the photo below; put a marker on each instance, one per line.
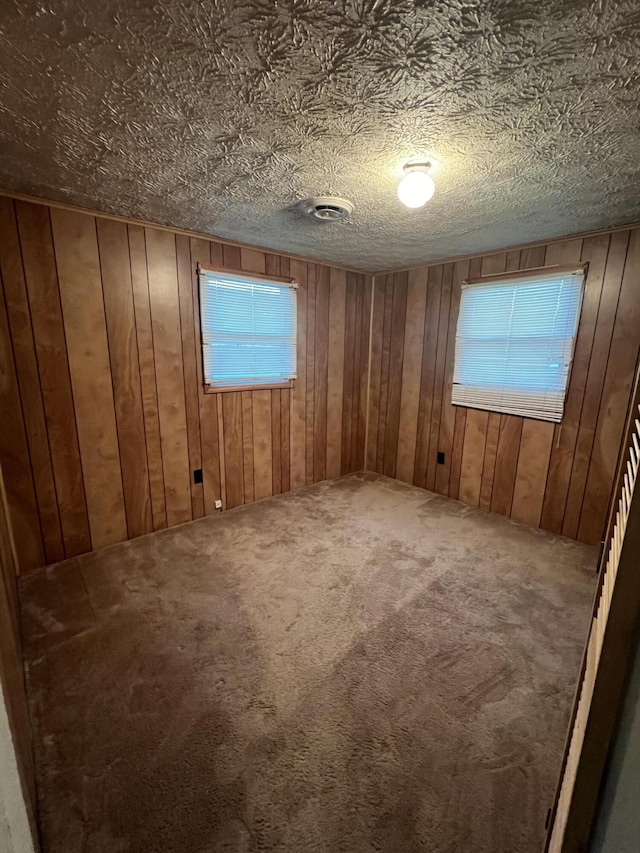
(214, 389)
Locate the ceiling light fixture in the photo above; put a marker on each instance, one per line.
(417, 186)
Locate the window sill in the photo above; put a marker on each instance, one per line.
(213, 389)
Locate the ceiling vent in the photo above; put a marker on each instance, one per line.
(327, 208)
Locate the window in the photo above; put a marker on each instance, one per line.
(514, 342)
(248, 330)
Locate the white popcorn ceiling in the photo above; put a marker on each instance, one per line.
(219, 116)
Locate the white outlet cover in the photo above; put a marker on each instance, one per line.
(218, 504)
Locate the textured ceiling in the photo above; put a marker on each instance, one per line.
(218, 116)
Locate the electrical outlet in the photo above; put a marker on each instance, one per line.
(440, 457)
(218, 504)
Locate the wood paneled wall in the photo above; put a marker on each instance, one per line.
(558, 477)
(104, 417)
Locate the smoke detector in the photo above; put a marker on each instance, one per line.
(327, 208)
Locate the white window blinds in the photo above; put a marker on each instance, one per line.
(248, 330)
(514, 343)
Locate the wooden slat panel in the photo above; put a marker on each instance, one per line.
(396, 350)
(167, 347)
(427, 378)
(192, 388)
(565, 433)
(53, 368)
(247, 445)
(375, 371)
(335, 369)
(233, 454)
(531, 474)
(276, 441)
(349, 367)
(285, 423)
(15, 457)
(489, 462)
(411, 371)
(439, 377)
(506, 464)
(24, 353)
(384, 370)
(320, 379)
(144, 334)
(356, 426)
(616, 256)
(615, 399)
(76, 251)
(208, 404)
(113, 244)
(310, 390)
(363, 387)
(262, 453)
(475, 437)
(231, 256)
(252, 260)
(457, 447)
(298, 407)
(448, 410)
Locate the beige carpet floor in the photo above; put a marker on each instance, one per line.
(356, 666)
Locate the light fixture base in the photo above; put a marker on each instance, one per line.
(417, 165)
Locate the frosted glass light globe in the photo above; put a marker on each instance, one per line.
(416, 188)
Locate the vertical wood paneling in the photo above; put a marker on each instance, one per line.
(115, 267)
(335, 369)
(448, 411)
(276, 441)
(394, 385)
(349, 369)
(144, 333)
(320, 378)
(615, 260)
(297, 435)
(167, 348)
(439, 376)
(356, 423)
(410, 381)
(78, 264)
(531, 474)
(134, 391)
(427, 378)
(555, 476)
(262, 455)
(53, 373)
(310, 369)
(246, 398)
(564, 437)
(471, 467)
(189, 356)
(285, 426)
(208, 404)
(19, 336)
(139, 322)
(15, 456)
(361, 389)
(233, 450)
(614, 404)
(489, 461)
